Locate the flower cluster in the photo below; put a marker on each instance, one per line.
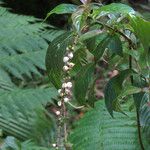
(65, 93)
(66, 90)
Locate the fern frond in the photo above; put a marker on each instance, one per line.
(98, 131)
(22, 114)
(13, 144)
(24, 41)
(145, 118)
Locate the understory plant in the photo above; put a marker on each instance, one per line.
(118, 35)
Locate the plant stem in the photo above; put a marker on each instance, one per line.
(139, 130)
(137, 112)
(64, 122)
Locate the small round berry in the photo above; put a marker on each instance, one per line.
(67, 91)
(57, 113)
(65, 59)
(65, 68)
(54, 145)
(59, 103)
(61, 94)
(64, 85)
(66, 99)
(71, 65)
(70, 55)
(69, 84)
(59, 91)
(67, 49)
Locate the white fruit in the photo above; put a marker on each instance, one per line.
(70, 55)
(54, 144)
(64, 85)
(66, 99)
(71, 65)
(59, 91)
(65, 68)
(69, 84)
(59, 103)
(57, 113)
(65, 59)
(67, 91)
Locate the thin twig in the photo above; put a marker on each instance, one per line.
(137, 112)
(76, 107)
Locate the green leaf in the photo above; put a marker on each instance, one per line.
(115, 45)
(79, 59)
(128, 90)
(113, 88)
(91, 98)
(54, 57)
(113, 8)
(98, 131)
(99, 50)
(79, 18)
(142, 30)
(93, 42)
(63, 9)
(90, 34)
(82, 81)
(98, 43)
(141, 83)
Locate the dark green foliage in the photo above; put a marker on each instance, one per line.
(54, 57)
(63, 9)
(110, 34)
(115, 45)
(11, 143)
(24, 41)
(98, 131)
(142, 30)
(82, 81)
(23, 45)
(22, 114)
(114, 8)
(113, 89)
(145, 115)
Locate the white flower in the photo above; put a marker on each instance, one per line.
(65, 59)
(67, 91)
(66, 99)
(57, 113)
(54, 144)
(61, 94)
(69, 84)
(70, 55)
(59, 91)
(71, 65)
(59, 103)
(64, 85)
(65, 68)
